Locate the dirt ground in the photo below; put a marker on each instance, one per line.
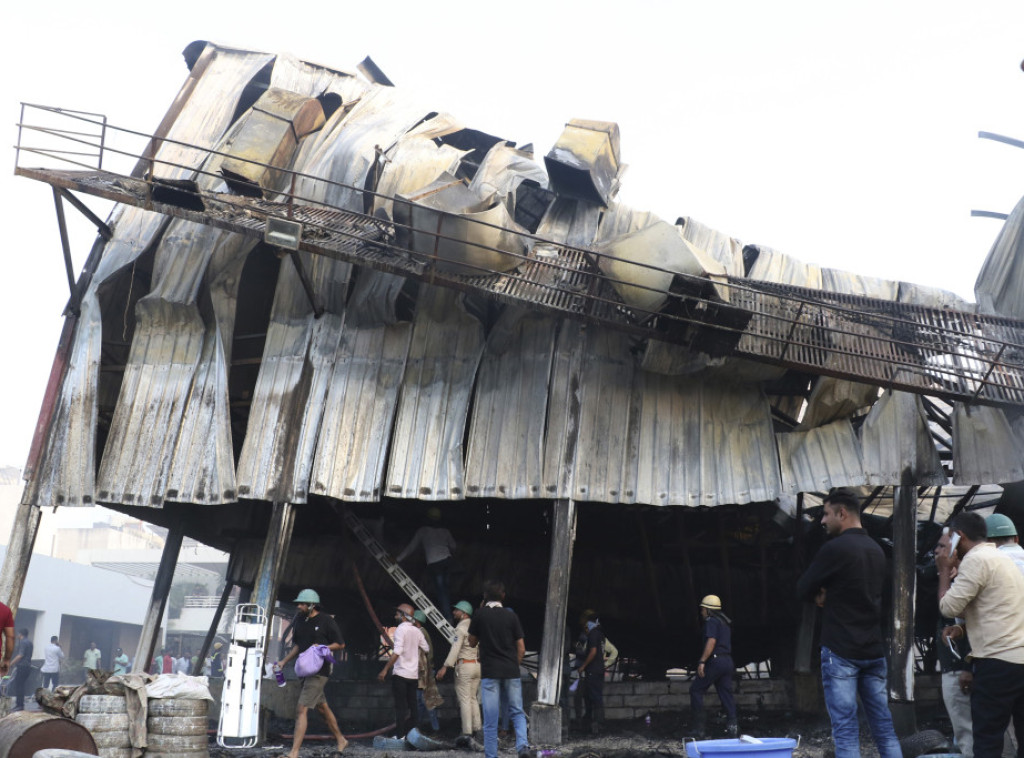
(621, 739)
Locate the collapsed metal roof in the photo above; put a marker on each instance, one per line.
(367, 386)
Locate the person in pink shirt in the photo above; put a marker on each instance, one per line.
(404, 665)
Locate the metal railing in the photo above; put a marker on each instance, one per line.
(957, 355)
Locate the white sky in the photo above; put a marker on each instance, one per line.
(840, 133)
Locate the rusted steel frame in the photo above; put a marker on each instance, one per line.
(792, 328)
(104, 231)
(307, 285)
(75, 303)
(935, 503)
(963, 501)
(991, 367)
(273, 559)
(211, 633)
(552, 653)
(158, 600)
(19, 554)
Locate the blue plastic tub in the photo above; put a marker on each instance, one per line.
(772, 747)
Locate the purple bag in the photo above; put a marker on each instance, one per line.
(312, 659)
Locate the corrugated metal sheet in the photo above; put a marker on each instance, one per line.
(773, 266)
(360, 409)
(834, 280)
(292, 388)
(505, 456)
(649, 438)
(986, 447)
(932, 297)
(894, 436)
(426, 459)
(66, 471)
(999, 287)
(725, 249)
(816, 460)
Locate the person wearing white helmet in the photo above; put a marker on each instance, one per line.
(715, 667)
(313, 627)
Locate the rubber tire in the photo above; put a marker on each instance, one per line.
(184, 726)
(927, 741)
(102, 704)
(59, 752)
(112, 739)
(114, 752)
(172, 743)
(174, 706)
(103, 722)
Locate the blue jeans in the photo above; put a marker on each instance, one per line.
(491, 691)
(842, 680)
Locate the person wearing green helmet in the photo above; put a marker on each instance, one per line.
(313, 627)
(1002, 532)
(465, 659)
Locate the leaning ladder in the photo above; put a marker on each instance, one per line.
(418, 597)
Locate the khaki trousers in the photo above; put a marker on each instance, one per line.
(467, 691)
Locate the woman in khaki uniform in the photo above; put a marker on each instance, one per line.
(466, 662)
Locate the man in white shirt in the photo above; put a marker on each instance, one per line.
(987, 595)
(438, 546)
(91, 658)
(53, 657)
(405, 666)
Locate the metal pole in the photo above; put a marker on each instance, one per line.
(157, 601)
(904, 581)
(19, 554)
(275, 553)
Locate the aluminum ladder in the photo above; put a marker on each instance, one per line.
(402, 579)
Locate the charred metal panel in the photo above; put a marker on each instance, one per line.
(773, 266)
(506, 434)
(999, 288)
(725, 249)
(987, 448)
(426, 459)
(833, 399)
(584, 162)
(834, 280)
(359, 411)
(894, 433)
(66, 472)
(932, 297)
(816, 460)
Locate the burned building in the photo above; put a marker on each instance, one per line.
(318, 300)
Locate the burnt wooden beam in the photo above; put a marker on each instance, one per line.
(158, 601)
(545, 713)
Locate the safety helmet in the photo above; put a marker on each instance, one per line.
(711, 602)
(405, 609)
(308, 596)
(465, 607)
(998, 525)
(420, 616)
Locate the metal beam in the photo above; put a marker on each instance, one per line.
(158, 601)
(904, 585)
(272, 560)
(19, 554)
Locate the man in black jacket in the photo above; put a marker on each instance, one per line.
(845, 579)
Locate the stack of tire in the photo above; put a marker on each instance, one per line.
(106, 717)
(176, 728)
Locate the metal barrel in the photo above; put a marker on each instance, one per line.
(24, 732)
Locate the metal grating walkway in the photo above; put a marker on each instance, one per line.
(949, 354)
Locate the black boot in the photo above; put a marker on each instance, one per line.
(732, 728)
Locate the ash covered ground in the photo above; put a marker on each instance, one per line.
(620, 739)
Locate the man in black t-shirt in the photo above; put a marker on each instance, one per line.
(313, 627)
(500, 635)
(591, 669)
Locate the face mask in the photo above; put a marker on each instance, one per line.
(591, 625)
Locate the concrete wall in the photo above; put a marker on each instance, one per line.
(366, 705)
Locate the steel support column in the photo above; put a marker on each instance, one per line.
(275, 553)
(546, 714)
(19, 554)
(904, 587)
(157, 601)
